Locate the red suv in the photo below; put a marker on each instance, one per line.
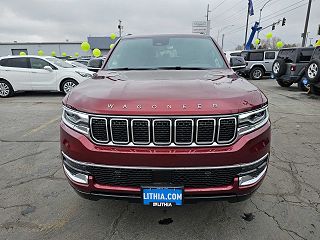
(165, 121)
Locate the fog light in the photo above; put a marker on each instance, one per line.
(249, 179)
(76, 177)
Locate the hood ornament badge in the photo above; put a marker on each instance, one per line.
(169, 106)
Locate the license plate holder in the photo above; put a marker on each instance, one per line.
(157, 196)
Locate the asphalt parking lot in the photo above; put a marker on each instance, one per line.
(36, 202)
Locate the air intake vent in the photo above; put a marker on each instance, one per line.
(183, 131)
(140, 131)
(119, 131)
(205, 133)
(99, 130)
(162, 131)
(227, 130)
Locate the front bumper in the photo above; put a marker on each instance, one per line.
(249, 155)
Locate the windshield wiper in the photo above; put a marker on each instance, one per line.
(129, 69)
(182, 68)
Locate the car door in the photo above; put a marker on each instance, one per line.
(42, 79)
(16, 70)
(269, 57)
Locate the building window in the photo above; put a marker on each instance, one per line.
(18, 51)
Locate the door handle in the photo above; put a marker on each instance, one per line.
(266, 62)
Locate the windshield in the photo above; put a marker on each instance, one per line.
(59, 62)
(164, 52)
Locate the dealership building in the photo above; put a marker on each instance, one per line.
(70, 48)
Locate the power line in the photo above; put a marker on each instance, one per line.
(242, 27)
(265, 18)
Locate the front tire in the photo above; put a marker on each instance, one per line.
(67, 85)
(6, 90)
(256, 73)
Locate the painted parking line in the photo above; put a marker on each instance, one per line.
(37, 129)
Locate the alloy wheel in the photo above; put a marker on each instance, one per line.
(257, 74)
(276, 67)
(67, 87)
(4, 90)
(312, 70)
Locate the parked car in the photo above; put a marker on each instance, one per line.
(95, 64)
(165, 121)
(28, 73)
(230, 54)
(237, 64)
(259, 63)
(290, 65)
(313, 71)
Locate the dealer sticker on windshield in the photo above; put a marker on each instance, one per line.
(162, 197)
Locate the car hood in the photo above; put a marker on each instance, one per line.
(165, 92)
(78, 69)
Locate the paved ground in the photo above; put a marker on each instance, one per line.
(37, 203)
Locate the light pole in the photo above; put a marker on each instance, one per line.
(222, 29)
(261, 13)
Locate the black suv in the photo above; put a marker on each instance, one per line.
(290, 66)
(313, 71)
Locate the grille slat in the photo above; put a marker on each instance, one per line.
(163, 132)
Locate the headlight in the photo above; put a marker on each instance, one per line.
(251, 121)
(76, 120)
(86, 75)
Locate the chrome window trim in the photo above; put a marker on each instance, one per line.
(165, 168)
(162, 143)
(149, 134)
(91, 134)
(175, 131)
(197, 130)
(235, 130)
(119, 119)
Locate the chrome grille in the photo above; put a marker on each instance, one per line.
(153, 131)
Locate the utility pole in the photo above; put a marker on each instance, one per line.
(120, 27)
(222, 41)
(208, 21)
(246, 36)
(304, 36)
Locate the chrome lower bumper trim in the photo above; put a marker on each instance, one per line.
(165, 168)
(78, 177)
(248, 180)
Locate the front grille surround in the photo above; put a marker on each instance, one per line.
(171, 140)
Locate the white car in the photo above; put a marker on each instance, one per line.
(35, 73)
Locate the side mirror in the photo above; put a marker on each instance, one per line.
(48, 68)
(237, 63)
